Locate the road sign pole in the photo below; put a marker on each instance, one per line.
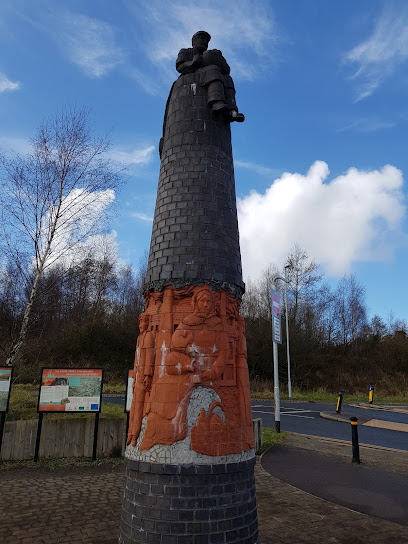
(276, 335)
(287, 331)
(276, 393)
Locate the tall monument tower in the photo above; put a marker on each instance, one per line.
(190, 455)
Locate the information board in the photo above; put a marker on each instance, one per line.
(6, 373)
(70, 390)
(129, 390)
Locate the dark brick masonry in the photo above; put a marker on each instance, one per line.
(195, 230)
(189, 504)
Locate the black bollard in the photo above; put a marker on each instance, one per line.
(354, 440)
(371, 394)
(339, 402)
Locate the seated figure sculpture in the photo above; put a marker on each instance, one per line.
(197, 357)
(214, 73)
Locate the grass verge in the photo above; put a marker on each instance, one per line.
(23, 405)
(322, 395)
(23, 399)
(271, 438)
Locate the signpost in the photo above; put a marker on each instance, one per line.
(276, 339)
(73, 390)
(276, 317)
(6, 375)
(129, 390)
(129, 396)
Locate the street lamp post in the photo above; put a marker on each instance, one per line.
(287, 330)
(285, 280)
(276, 394)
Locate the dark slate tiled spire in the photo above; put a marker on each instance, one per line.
(195, 229)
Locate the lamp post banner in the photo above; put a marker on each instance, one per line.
(276, 302)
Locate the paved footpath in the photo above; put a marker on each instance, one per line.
(82, 506)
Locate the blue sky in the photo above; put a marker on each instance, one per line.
(321, 159)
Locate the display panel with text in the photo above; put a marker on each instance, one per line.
(70, 390)
(6, 373)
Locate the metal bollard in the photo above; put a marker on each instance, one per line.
(354, 440)
(339, 402)
(371, 394)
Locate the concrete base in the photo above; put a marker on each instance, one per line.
(189, 504)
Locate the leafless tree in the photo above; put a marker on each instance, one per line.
(53, 198)
(303, 276)
(351, 308)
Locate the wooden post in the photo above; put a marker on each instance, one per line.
(37, 442)
(95, 440)
(2, 421)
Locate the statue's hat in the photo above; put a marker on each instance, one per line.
(202, 33)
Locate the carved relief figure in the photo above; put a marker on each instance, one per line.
(197, 357)
(142, 380)
(214, 73)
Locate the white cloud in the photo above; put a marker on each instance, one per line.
(142, 217)
(137, 156)
(378, 57)
(80, 215)
(257, 168)
(354, 217)
(368, 125)
(245, 31)
(7, 85)
(89, 43)
(150, 85)
(96, 246)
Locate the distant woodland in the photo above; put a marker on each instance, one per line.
(87, 315)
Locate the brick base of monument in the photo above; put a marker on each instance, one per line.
(189, 504)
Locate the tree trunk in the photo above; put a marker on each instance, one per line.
(16, 347)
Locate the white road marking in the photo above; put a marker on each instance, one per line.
(296, 415)
(294, 410)
(283, 414)
(300, 411)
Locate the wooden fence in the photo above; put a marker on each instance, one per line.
(72, 437)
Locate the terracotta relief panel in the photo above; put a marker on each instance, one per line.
(200, 341)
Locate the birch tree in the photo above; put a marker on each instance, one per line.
(52, 199)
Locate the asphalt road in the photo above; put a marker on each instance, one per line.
(304, 417)
(369, 490)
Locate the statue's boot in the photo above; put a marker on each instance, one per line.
(237, 116)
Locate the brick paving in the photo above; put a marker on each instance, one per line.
(75, 506)
(83, 506)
